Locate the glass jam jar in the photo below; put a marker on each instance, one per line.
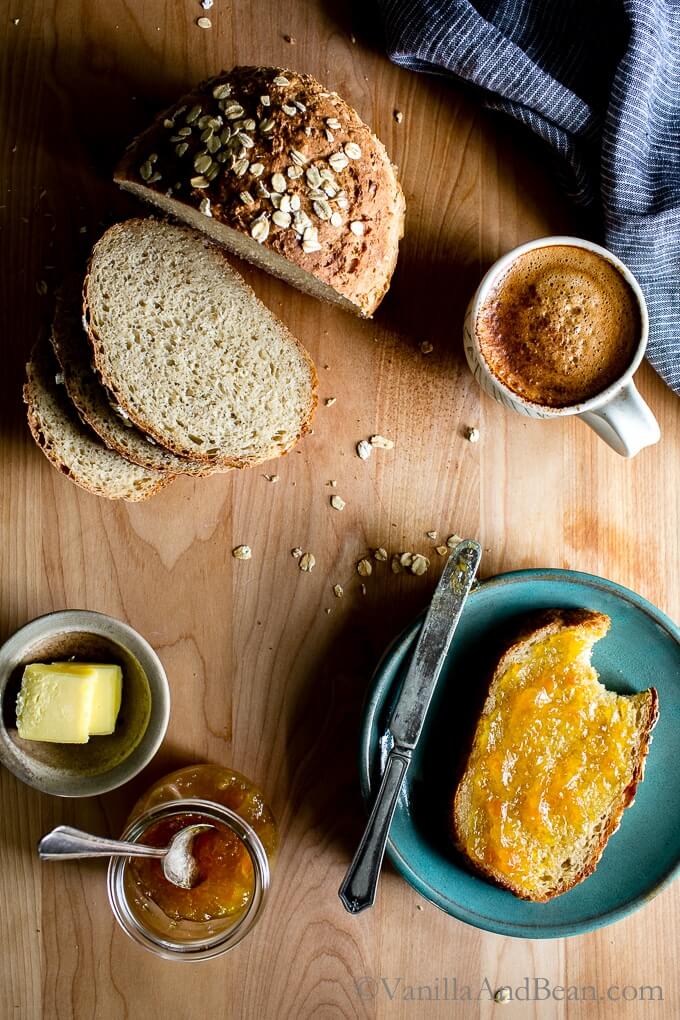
(234, 859)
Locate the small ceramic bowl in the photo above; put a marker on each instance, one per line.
(105, 762)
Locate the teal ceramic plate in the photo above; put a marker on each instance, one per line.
(641, 649)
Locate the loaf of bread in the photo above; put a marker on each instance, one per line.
(187, 351)
(74, 355)
(71, 446)
(282, 172)
(556, 758)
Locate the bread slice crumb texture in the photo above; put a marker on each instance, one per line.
(555, 760)
(74, 354)
(189, 352)
(71, 447)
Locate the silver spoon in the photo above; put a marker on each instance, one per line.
(179, 865)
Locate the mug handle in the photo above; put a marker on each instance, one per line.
(625, 422)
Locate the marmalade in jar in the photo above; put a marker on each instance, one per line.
(226, 880)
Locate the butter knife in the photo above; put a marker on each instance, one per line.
(358, 889)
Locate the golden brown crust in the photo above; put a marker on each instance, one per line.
(551, 622)
(365, 189)
(41, 432)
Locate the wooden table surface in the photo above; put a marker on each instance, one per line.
(267, 668)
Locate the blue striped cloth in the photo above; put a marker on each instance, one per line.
(599, 81)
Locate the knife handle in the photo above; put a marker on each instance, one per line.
(359, 886)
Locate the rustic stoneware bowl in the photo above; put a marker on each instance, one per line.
(105, 762)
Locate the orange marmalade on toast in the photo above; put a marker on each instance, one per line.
(552, 752)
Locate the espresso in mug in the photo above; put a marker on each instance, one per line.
(559, 326)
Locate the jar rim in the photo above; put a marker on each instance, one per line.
(200, 948)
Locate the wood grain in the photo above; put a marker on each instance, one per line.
(263, 677)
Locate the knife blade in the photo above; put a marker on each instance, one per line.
(434, 642)
(408, 718)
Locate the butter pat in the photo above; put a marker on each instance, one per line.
(68, 702)
(108, 691)
(55, 706)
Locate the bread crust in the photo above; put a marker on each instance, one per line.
(148, 427)
(41, 430)
(358, 267)
(553, 621)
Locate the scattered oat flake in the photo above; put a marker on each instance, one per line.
(364, 449)
(330, 401)
(41, 287)
(426, 347)
(432, 535)
(296, 553)
(242, 552)
(472, 434)
(396, 564)
(353, 39)
(381, 443)
(327, 611)
(406, 559)
(502, 994)
(338, 591)
(442, 550)
(271, 478)
(290, 39)
(420, 564)
(398, 116)
(206, 4)
(364, 567)
(380, 555)
(204, 23)
(332, 482)
(307, 562)
(453, 540)
(338, 503)
(363, 589)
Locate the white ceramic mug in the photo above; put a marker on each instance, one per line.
(618, 414)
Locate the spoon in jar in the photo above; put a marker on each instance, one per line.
(179, 865)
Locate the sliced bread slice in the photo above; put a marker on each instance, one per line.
(74, 354)
(188, 351)
(71, 447)
(283, 172)
(556, 759)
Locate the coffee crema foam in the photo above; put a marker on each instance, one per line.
(561, 325)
